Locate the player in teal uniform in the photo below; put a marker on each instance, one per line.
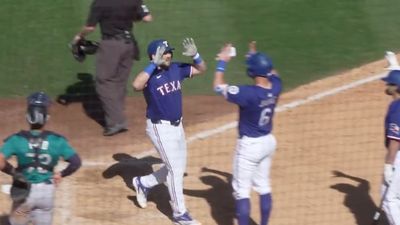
(37, 152)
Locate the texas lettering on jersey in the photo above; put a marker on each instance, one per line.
(169, 87)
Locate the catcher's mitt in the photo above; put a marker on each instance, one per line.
(20, 188)
(82, 48)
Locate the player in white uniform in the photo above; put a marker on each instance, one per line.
(391, 200)
(256, 144)
(161, 85)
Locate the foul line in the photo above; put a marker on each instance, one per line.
(211, 132)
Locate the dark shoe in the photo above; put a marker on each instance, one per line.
(110, 131)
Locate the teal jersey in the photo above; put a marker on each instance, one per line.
(37, 159)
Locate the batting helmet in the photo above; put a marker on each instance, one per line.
(258, 64)
(152, 47)
(393, 78)
(82, 48)
(37, 104)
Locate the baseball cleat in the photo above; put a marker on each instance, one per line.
(185, 219)
(141, 192)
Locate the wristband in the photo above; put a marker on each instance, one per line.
(221, 66)
(197, 59)
(8, 169)
(150, 68)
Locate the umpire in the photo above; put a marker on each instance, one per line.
(115, 56)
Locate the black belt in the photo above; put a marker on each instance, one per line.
(171, 122)
(119, 37)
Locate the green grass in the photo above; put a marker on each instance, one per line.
(306, 39)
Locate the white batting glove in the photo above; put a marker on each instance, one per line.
(225, 53)
(189, 47)
(158, 57)
(388, 173)
(392, 60)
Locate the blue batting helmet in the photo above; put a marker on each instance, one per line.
(258, 64)
(393, 78)
(152, 47)
(37, 104)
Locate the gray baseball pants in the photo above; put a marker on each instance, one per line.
(114, 62)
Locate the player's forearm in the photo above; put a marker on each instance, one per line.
(218, 79)
(85, 31)
(147, 18)
(5, 166)
(74, 164)
(219, 73)
(392, 151)
(141, 80)
(201, 67)
(2, 162)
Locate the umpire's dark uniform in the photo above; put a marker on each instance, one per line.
(115, 56)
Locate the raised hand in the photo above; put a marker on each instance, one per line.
(252, 49)
(392, 61)
(189, 47)
(158, 57)
(337, 173)
(225, 53)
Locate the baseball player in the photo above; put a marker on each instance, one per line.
(161, 84)
(391, 174)
(256, 144)
(37, 152)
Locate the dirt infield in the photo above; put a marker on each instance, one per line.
(342, 132)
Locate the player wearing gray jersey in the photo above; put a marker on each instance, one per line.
(37, 152)
(256, 144)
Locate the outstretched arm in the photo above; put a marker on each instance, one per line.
(225, 174)
(223, 57)
(190, 49)
(140, 82)
(337, 173)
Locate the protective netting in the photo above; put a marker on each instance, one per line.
(327, 168)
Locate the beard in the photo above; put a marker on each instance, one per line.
(390, 91)
(166, 64)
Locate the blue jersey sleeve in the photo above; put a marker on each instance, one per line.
(237, 95)
(392, 121)
(393, 130)
(276, 84)
(185, 70)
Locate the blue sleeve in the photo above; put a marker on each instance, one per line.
(393, 130)
(276, 84)
(237, 95)
(185, 70)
